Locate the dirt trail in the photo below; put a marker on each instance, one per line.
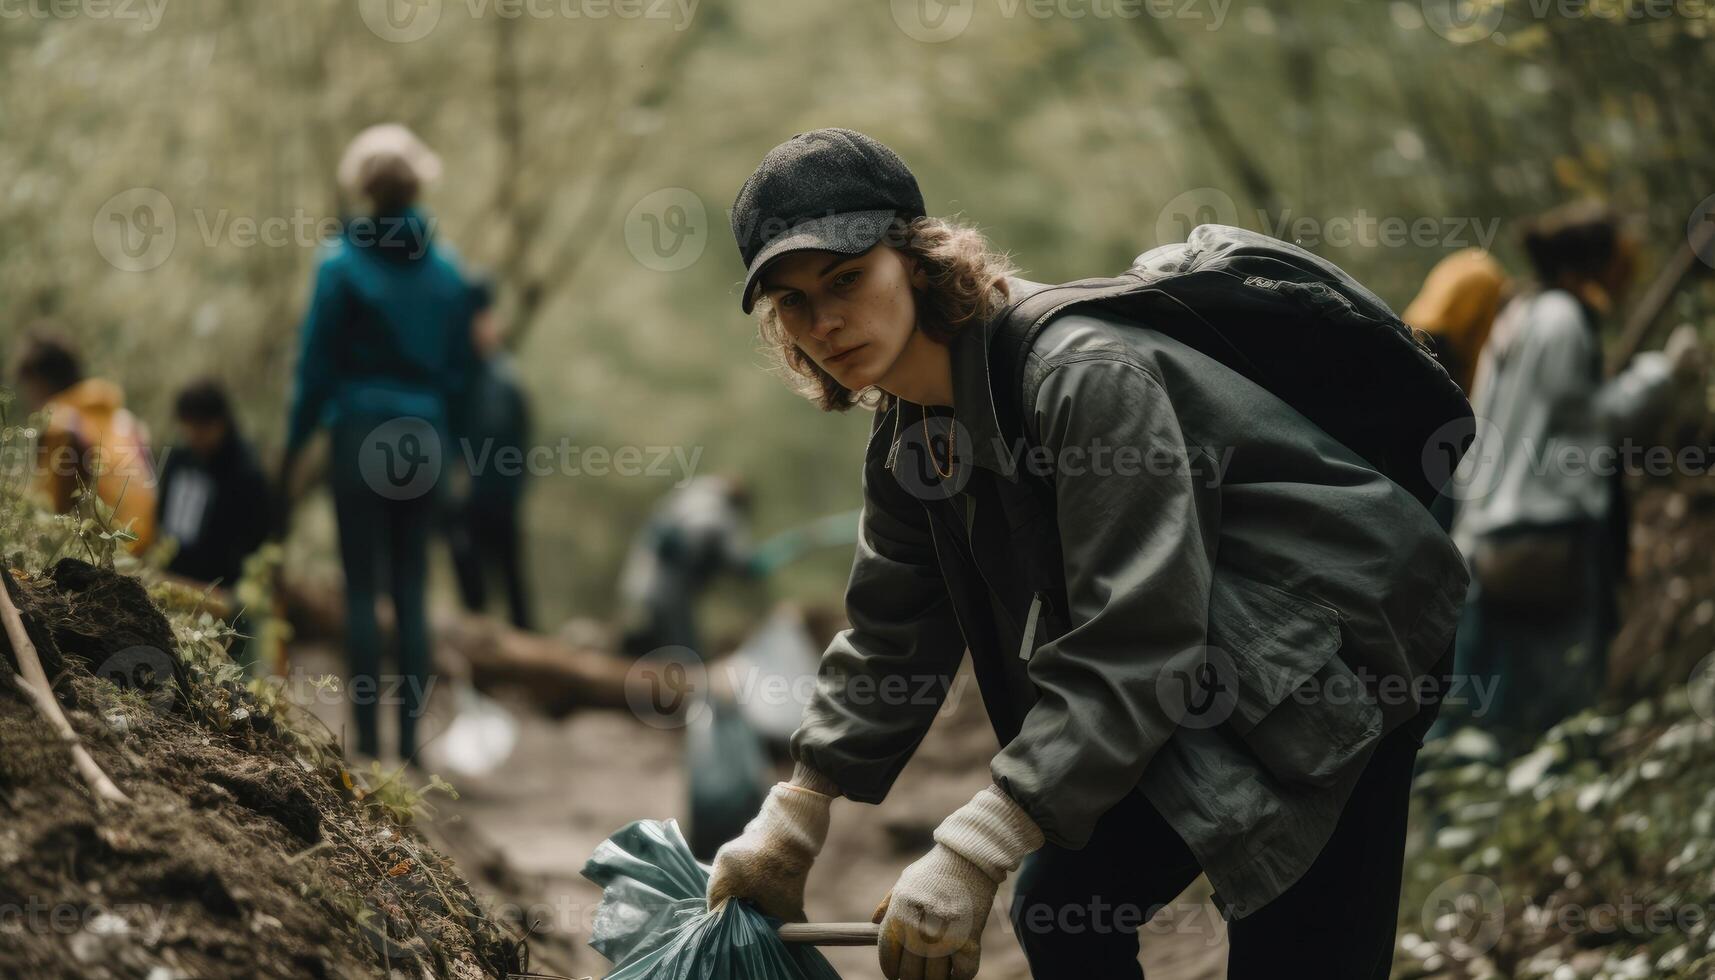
(572, 783)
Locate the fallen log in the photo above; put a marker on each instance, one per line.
(554, 676)
(579, 667)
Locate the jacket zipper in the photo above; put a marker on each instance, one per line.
(1027, 646)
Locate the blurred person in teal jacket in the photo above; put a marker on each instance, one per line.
(386, 353)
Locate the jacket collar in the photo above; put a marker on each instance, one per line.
(978, 435)
(402, 235)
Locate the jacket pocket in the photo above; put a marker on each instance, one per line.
(1299, 709)
(1321, 730)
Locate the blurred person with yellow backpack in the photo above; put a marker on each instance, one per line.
(1456, 307)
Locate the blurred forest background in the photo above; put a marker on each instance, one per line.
(569, 140)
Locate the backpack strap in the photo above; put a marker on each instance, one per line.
(1022, 321)
(1019, 324)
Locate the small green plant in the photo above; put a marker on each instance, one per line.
(257, 595)
(396, 798)
(89, 527)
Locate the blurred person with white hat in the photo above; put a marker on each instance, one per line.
(386, 354)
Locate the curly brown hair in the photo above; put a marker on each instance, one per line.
(967, 286)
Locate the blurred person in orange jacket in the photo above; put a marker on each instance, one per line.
(89, 437)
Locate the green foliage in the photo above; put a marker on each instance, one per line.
(1590, 851)
(1068, 139)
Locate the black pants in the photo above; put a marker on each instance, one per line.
(383, 544)
(484, 535)
(1078, 913)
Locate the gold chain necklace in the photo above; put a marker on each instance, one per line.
(952, 444)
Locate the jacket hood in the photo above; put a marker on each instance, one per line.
(402, 236)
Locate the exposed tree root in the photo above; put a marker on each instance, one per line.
(33, 681)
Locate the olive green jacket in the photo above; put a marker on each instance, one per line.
(1182, 588)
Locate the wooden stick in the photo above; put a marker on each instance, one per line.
(1656, 298)
(33, 681)
(830, 933)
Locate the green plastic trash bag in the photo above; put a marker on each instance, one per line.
(654, 924)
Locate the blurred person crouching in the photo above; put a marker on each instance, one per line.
(89, 437)
(695, 533)
(214, 496)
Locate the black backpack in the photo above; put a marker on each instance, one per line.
(1289, 321)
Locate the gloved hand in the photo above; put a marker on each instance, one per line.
(932, 921)
(1685, 352)
(769, 862)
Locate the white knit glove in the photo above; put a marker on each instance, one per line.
(932, 921)
(769, 862)
(1686, 356)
